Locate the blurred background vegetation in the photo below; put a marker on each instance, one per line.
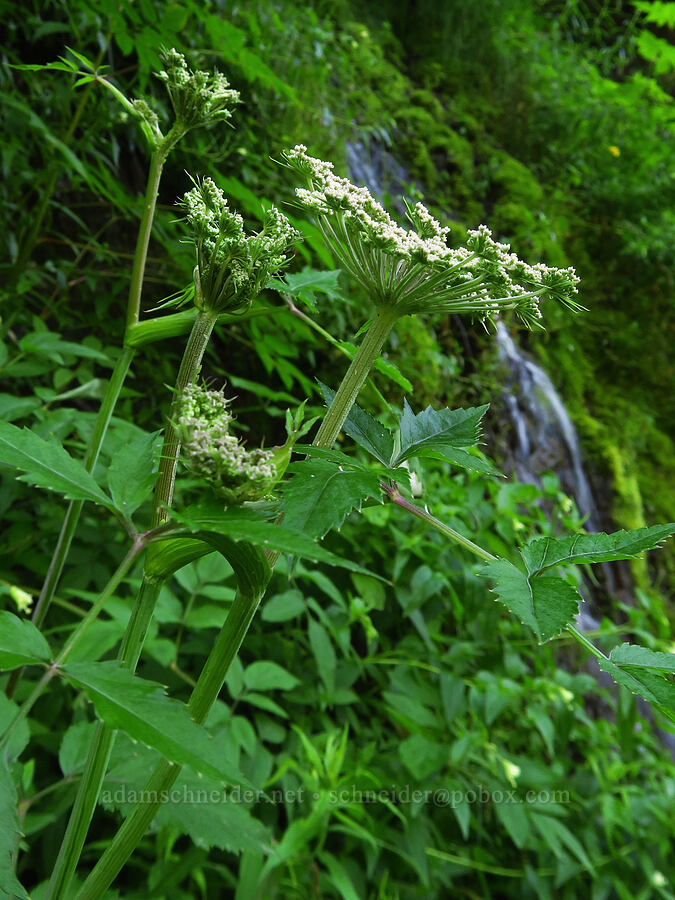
(553, 123)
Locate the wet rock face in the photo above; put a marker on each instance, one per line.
(544, 438)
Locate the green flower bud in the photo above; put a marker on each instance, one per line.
(197, 97)
(23, 599)
(232, 267)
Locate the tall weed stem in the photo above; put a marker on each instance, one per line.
(232, 634)
(116, 382)
(355, 376)
(134, 637)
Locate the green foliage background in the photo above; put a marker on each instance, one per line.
(542, 119)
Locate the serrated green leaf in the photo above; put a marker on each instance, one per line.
(47, 465)
(321, 494)
(462, 458)
(437, 430)
(646, 683)
(21, 644)
(131, 475)
(238, 525)
(365, 430)
(543, 553)
(643, 672)
(223, 822)
(10, 833)
(335, 456)
(197, 805)
(633, 655)
(142, 710)
(545, 604)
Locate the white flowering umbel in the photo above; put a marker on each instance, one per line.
(413, 270)
(212, 453)
(197, 97)
(233, 267)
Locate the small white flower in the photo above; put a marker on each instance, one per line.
(414, 270)
(216, 455)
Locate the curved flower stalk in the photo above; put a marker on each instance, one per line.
(413, 271)
(232, 268)
(212, 453)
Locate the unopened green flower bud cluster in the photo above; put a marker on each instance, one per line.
(233, 267)
(197, 97)
(212, 453)
(414, 270)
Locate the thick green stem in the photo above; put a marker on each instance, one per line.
(356, 374)
(203, 697)
(136, 548)
(119, 373)
(189, 368)
(145, 228)
(134, 637)
(232, 634)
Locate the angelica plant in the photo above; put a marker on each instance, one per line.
(231, 266)
(413, 271)
(198, 99)
(248, 511)
(407, 272)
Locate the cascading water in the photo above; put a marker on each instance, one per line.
(545, 436)
(545, 439)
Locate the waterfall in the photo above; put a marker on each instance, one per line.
(545, 437)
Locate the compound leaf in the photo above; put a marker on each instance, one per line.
(142, 710)
(365, 430)
(545, 604)
(321, 494)
(438, 430)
